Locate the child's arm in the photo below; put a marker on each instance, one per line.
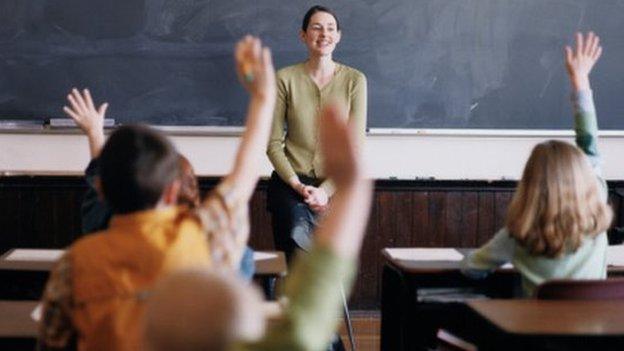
(579, 63)
(94, 212)
(255, 71)
(313, 288)
(224, 213)
(495, 253)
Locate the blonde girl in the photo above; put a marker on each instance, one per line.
(556, 222)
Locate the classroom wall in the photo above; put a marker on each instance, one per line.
(476, 155)
(44, 212)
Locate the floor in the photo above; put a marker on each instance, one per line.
(366, 325)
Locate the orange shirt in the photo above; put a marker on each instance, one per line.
(97, 290)
(113, 270)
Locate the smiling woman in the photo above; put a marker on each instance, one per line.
(298, 190)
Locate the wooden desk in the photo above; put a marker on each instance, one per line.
(410, 324)
(30, 275)
(442, 266)
(407, 322)
(271, 266)
(269, 270)
(18, 331)
(267, 262)
(46, 258)
(546, 324)
(15, 319)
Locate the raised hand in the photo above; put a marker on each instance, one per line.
(254, 67)
(343, 228)
(338, 144)
(83, 111)
(581, 59)
(88, 118)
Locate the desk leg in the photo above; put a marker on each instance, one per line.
(394, 305)
(268, 286)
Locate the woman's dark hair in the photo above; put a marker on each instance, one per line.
(314, 9)
(136, 165)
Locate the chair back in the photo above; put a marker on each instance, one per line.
(568, 289)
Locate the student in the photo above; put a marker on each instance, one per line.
(96, 292)
(200, 310)
(299, 188)
(95, 213)
(556, 221)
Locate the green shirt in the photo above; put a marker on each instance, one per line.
(314, 293)
(293, 145)
(587, 262)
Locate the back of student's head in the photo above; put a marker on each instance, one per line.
(202, 311)
(558, 201)
(136, 165)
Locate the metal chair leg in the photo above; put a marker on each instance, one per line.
(347, 319)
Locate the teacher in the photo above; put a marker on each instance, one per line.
(298, 190)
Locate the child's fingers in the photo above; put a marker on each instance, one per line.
(598, 53)
(247, 42)
(267, 59)
(595, 46)
(71, 113)
(79, 100)
(102, 109)
(88, 99)
(330, 130)
(592, 42)
(256, 49)
(579, 44)
(74, 104)
(568, 54)
(333, 128)
(246, 62)
(588, 40)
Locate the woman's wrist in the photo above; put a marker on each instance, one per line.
(296, 184)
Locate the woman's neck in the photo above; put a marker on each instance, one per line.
(321, 66)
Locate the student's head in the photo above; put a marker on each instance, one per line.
(320, 31)
(138, 170)
(558, 201)
(202, 310)
(189, 189)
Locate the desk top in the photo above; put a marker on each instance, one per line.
(273, 265)
(553, 317)
(406, 261)
(16, 320)
(425, 265)
(268, 263)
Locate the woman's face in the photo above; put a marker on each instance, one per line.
(322, 34)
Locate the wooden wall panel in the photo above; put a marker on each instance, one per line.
(45, 212)
(485, 218)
